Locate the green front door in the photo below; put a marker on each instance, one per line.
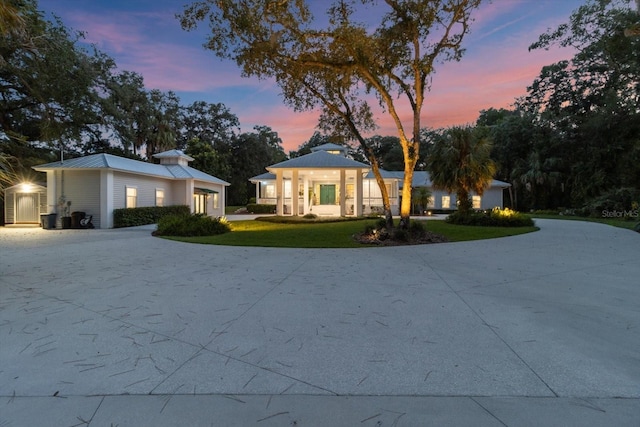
(327, 194)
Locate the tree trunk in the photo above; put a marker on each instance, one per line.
(464, 202)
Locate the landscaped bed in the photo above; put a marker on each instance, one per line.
(337, 234)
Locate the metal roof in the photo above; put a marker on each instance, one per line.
(109, 161)
(330, 147)
(319, 160)
(267, 176)
(173, 153)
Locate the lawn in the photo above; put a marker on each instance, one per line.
(621, 223)
(333, 234)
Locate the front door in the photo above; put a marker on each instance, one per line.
(327, 194)
(27, 207)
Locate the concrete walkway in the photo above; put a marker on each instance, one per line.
(118, 328)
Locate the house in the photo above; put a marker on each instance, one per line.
(322, 175)
(24, 203)
(99, 183)
(324, 182)
(492, 197)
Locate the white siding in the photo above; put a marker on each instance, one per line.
(82, 188)
(492, 197)
(146, 189)
(9, 207)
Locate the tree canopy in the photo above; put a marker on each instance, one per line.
(584, 110)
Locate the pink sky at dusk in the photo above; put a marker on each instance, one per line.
(145, 37)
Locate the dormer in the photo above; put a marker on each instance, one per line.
(340, 150)
(173, 157)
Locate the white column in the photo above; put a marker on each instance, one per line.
(343, 192)
(358, 208)
(279, 193)
(106, 199)
(188, 189)
(294, 192)
(52, 197)
(305, 200)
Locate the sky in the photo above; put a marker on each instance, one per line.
(144, 36)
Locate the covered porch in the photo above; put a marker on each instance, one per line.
(319, 183)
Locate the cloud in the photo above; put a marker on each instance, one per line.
(163, 57)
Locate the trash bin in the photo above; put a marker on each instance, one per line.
(76, 217)
(48, 221)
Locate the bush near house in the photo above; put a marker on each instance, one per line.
(261, 209)
(493, 218)
(131, 217)
(191, 225)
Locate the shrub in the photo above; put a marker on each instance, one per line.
(130, 217)
(191, 225)
(400, 235)
(310, 216)
(494, 218)
(416, 228)
(261, 209)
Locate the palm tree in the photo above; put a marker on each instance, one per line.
(460, 162)
(11, 21)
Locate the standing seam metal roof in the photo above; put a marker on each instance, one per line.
(319, 160)
(109, 161)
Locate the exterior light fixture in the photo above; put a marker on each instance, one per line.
(26, 187)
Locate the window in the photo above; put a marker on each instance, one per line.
(200, 203)
(215, 201)
(269, 191)
(159, 196)
(132, 197)
(350, 191)
(477, 202)
(446, 202)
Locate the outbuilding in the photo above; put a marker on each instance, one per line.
(24, 203)
(99, 183)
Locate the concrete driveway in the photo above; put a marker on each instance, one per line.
(118, 328)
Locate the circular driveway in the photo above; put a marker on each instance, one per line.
(493, 332)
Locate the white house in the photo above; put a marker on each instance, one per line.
(99, 183)
(322, 175)
(324, 182)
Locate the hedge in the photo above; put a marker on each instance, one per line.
(191, 225)
(493, 218)
(131, 217)
(261, 209)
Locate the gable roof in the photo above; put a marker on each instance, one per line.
(109, 161)
(319, 160)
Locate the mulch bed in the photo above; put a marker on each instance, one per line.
(384, 239)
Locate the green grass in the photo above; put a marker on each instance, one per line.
(461, 233)
(621, 223)
(332, 234)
